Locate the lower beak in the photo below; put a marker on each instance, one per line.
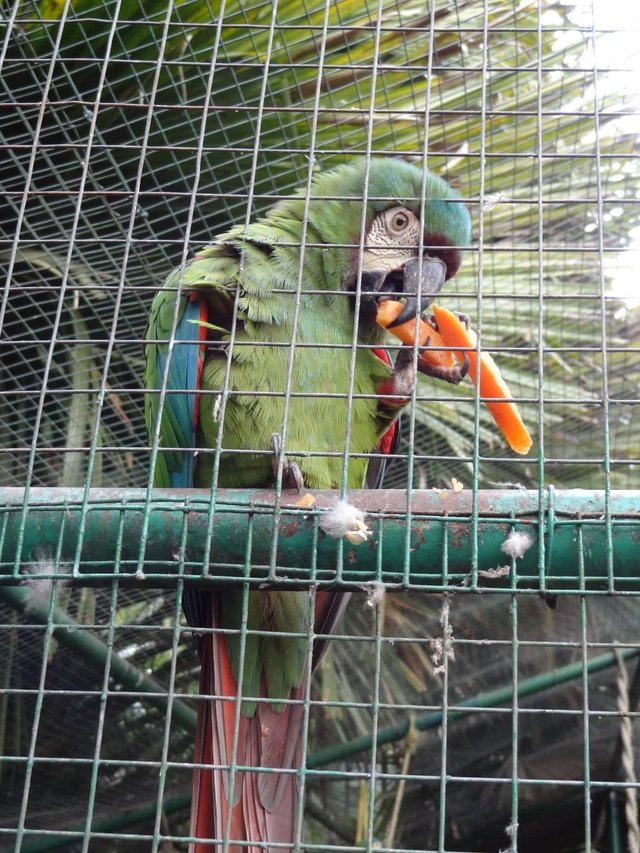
(419, 281)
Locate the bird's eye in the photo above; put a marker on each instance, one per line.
(399, 221)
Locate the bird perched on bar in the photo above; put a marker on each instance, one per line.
(267, 349)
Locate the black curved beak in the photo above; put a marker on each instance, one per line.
(422, 282)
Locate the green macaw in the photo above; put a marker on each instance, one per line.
(274, 310)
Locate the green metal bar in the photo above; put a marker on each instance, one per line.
(112, 528)
(96, 653)
(490, 699)
(586, 723)
(110, 824)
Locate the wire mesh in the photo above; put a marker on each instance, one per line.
(441, 718)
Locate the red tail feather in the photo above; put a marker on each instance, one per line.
(265, 804)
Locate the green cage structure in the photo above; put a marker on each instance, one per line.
(480, 690)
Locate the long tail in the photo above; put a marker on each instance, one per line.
(250, 806)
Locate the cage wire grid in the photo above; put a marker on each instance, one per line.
(455, 709)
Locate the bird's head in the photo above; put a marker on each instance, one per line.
(409, 248)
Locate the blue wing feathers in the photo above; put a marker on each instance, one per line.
(185, 371)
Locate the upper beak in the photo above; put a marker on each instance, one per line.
(422, 281)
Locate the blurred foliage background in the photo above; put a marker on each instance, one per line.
(130, 129)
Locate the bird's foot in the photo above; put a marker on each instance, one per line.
(404, 374)
(454, 374)
(403, 378)
(464, 319)
(395, 391)
(291, 474)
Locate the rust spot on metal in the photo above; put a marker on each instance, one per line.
(458, 533)
(289, 528)
(418, 536)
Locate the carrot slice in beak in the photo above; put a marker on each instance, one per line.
(491, 384)
(387, 312)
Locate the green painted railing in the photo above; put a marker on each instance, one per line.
(587, 540)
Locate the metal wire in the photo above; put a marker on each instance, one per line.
(129, 140)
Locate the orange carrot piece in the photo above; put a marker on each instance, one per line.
(387, 312)
(505, 414)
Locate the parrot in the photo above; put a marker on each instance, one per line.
(280, 314)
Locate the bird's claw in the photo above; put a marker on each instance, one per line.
(291, 474)
(464, 368)
(463, 318)
(453, 375)
(404, 374)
